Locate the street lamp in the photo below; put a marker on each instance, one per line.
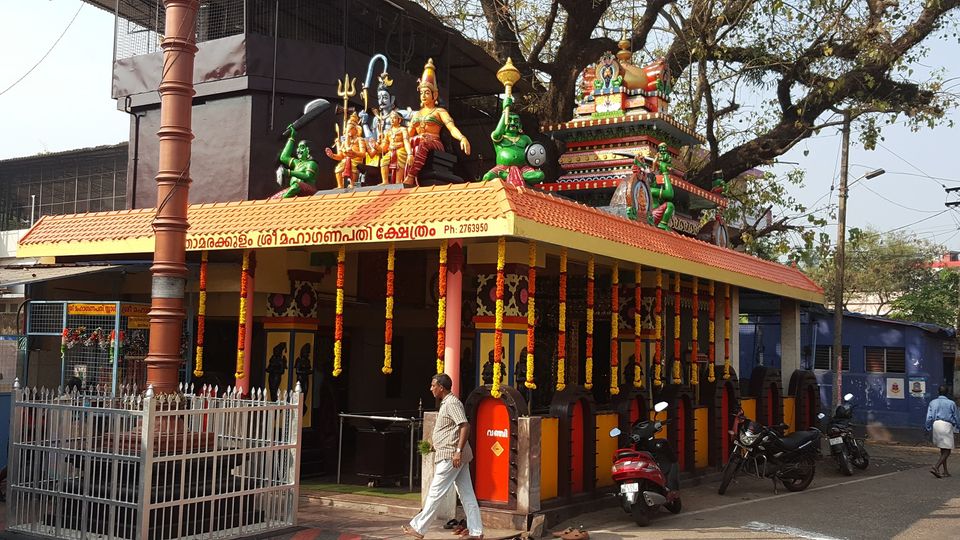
(839, 257)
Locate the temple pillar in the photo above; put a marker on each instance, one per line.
(789, 338)
(451, 353)
(735, 328)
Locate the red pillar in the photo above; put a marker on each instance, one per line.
(451, 353)
(169, 269)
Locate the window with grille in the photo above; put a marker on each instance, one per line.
(824, 354)
(885, 359)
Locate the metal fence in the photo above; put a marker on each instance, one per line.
(140, 466)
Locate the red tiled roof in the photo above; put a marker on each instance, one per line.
(456, 211)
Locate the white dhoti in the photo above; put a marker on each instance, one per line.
(943, 434)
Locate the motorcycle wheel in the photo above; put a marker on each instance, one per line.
(640, 513)
(729, 471)
(844, 462)
(861, 459)
(675, 506)
(800, 484)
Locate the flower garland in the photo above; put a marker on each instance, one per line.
(338, 317)
(726, 333)
(498, 325)
(531, 311)
(388, 316)
(562, 323)
(588, 384)
(637, 327)
(249, 262)
(658, 330)
(695, 335)
(201, 316)
(712, 330)
(677, 374)
(615, 329)
(442, 306)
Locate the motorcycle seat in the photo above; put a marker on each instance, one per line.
(799, 438)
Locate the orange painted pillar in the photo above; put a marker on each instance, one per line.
(451, 353)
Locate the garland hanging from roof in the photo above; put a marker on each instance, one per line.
(695, 335)
(442, 306)
(712, 330)
(562, 322)
(677, 373)
(658, 331)
(388, 316)
(615, 330)
(249, 263)
(498, 325)
(201, 316)
(726, 332)
(531, 311)
(338, 317)
(588, 384)
(638, 363)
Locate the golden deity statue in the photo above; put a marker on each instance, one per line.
(351, 152)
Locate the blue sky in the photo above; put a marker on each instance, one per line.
(70, 89)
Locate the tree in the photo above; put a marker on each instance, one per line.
(755, 76)
(934, 301)
(879, 270)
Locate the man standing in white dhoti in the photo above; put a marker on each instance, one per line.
(943, 421)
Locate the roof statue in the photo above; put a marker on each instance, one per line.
(518, 157)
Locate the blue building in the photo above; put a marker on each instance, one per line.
(892, 367)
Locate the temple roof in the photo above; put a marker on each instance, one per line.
(464, 211)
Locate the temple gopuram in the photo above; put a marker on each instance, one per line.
(560, 307)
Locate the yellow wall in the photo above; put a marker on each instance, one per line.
(701, 437)
(662, 434)
(790, 414)
(749, 406)
(606, 446)
(549, 428)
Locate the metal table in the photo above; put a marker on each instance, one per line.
(414, 424)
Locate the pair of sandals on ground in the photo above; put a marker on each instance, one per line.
(457, 527)
(936, 472)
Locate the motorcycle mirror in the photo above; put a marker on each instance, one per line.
(660, 407)
(848, 397)
(615, 432)
(821, 416)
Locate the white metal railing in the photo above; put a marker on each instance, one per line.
(140, 466)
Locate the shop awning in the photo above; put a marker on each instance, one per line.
(22, 275)
(418, 215)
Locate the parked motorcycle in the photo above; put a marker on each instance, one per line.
(850, 451)
(647, 475)
(767, 453)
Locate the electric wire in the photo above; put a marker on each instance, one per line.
(44, 57)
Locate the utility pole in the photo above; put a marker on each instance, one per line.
(839, 261)
(954, 204)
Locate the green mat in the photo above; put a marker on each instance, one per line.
(391, 492)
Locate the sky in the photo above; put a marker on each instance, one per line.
(70, 89)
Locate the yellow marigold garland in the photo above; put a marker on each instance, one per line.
(338, 318)
(248, 263)
(615, 329)
(726, 332)
(562, 324)
(677, 374)
(638, 363)
(388, 316)
(442, 306)
(201, 316)
(658, 330)
(498, 326)
(695, 335)
(531, 311)
(712, 330)
(588, 381)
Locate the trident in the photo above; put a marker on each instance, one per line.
(346, 89)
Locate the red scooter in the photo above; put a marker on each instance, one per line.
(647, 475)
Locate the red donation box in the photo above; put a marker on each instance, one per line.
(492, 452)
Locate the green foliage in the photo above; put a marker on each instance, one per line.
(934, 301)
(881, 268)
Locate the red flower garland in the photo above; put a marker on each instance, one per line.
(615, 330)
(201, 316)
(498, 325)
(588, 379)
(637, 301)
(562, 323)
(388, 316)
(658, 344)
(531, 312)
(442, 307)
(249, 263)
(338, 318)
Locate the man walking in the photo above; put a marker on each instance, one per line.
(452, 456)
(943, 420)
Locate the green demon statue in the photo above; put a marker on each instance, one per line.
(518, 157)
(662, 191)
(301, 170)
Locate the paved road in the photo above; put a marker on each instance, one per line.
(895, 498)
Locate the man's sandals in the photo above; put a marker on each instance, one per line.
(408, 531)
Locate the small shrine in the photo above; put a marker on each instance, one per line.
(621, 150)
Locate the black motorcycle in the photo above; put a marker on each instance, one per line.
(767, 453)
(848, 449)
